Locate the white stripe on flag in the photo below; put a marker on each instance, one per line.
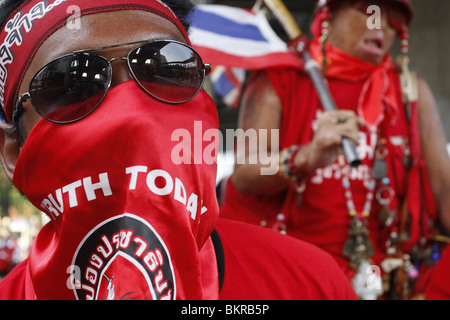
(234, 44)
(235, 14)
(231, 45)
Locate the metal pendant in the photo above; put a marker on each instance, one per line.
(357, 247)
(349, 247)
(380, 165)
(383, 214)
(386, 216)
(407, 158)
(379, 169)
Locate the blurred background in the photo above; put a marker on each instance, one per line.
(430, 58)
(429, 46)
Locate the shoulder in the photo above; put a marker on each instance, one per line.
(425, 93)
(428, 109)
(264, 264)
(12, 287)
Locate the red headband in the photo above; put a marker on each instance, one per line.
(27, 28)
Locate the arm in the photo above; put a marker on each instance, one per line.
(261, 109)
(434, 150)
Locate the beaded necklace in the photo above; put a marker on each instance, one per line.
(357, 247)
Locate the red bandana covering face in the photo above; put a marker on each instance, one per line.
(126, 221)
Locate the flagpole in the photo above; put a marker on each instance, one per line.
(258, 6)
(294, 32)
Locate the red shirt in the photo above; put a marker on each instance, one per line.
(322, 218)
(438, 287)
(256, 263)
(264, 264)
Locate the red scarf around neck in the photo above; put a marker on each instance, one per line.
(377, 92)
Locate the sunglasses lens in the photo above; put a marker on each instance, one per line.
(71, 87)
(168, 71)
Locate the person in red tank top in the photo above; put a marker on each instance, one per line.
(378, 220)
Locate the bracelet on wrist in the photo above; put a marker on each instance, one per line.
(288, 170)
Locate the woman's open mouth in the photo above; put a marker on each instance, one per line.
(373, 46)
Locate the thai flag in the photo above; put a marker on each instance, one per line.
(233, 40)
(227, 84)
(239, 38)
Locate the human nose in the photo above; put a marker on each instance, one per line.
(120, 71)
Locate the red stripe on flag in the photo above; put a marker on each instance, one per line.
(272, 60)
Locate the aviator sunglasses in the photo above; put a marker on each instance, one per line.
(396, 13)
(71, 87)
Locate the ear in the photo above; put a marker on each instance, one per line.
(9, 149)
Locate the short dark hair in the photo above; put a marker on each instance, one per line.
(183, 9)
(6, 7)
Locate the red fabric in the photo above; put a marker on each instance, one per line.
(325, 223)
(17, 285)
(280, 268)
(34, 21)
(422, 206)
(250, 208)
(438, 287)
(218, 57)
(376, 93)
(117, 200)
(322, 218)
(316, 25)
(264, 264)
(209, 272)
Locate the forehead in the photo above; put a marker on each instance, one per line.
(105, 29)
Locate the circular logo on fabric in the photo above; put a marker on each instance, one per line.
(123, 258)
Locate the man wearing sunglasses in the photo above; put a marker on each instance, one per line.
(88, 116)
(378, 219)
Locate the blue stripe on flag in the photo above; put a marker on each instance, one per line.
(214, 23)
(223, 86)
